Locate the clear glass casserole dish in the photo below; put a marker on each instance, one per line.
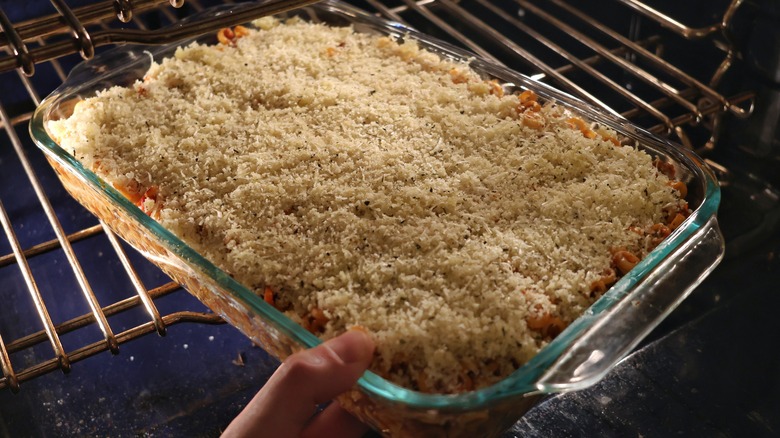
(583, 353)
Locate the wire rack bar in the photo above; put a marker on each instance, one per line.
(64, 243)
(87, 351)
(55, 23)
(653, 58)
(80, 34)
(123, 10)
(524, 54)
(693, 96)
(51, 245)
(390, 13)
(646, 76)
(88, 42)
(680, 28)
(575, 61)
(51, 334)
(144, 298)
(140, 289)
(15, 44)
(443, 25)
(88, 319)
(9, 377)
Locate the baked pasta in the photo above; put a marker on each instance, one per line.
(359, 181)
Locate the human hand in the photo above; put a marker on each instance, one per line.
(285, 405)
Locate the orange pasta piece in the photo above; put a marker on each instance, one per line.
(681, 188)
(458, 77)
(527, 96)
(228, 36)
(676, 221)
(624, 261)
(133, 195)
(611, 139)
(580, 124)
(533, 122)
(316, 320)
(150, 194)
(608, 278)
(665, 168)
(528, 102)
(495, 88)
(268, 296)
(546, 324)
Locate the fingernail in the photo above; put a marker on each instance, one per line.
(352, 346)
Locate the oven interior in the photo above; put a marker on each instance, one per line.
(72, 296)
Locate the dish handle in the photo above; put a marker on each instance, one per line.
(611, 338)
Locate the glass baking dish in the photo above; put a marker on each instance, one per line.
(578, 357)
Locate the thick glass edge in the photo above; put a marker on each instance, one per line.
(709, 251)
(522, 381)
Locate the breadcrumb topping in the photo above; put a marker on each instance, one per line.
(355, 180)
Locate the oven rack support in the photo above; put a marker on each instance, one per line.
(681, 101)
(52, 333)
(24, 47)
(25, 57)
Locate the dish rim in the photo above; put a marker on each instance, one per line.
(522, 381)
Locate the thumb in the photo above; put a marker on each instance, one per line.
(304, 380)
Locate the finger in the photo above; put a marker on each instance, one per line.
(334, 421)
(307, 378)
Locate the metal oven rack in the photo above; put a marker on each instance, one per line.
(616, 66)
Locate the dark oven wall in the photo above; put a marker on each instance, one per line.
(708, 370)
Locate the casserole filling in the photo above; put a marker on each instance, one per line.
(355, 180)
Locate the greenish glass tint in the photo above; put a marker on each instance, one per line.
(579, 356)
